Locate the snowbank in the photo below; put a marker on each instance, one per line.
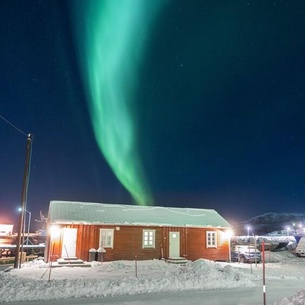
(31, 282)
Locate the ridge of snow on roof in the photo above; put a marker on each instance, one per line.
(120, 214)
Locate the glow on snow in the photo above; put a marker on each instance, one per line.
(112, 42)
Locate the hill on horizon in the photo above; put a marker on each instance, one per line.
(288, 223)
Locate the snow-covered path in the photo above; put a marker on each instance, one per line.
(235, 296)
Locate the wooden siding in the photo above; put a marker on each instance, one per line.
(128, 243)
(198, 245)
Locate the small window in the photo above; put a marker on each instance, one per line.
(106, 238)
(211, 238)
(148, 238)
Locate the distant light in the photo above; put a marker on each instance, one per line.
(288, 229)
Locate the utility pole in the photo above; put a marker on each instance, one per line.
(24, 196)
(264, 273)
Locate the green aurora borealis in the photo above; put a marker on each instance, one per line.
(111, 42)
(192, 103)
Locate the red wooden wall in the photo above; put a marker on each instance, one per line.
(128, 243)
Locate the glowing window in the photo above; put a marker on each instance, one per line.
(148, 238)
(106, 238)
(211, 239)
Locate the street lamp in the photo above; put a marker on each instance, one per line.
(228, 235)
(300, 227)
(54, 235)
(288, 228)
(29, 224)
(248, 231)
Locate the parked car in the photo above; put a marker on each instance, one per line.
(300, 248)
(245, 254)
(291, 246)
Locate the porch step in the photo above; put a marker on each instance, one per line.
(70, 258)
(63, 261)
(72, 262)
(177, 260)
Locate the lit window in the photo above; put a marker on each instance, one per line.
(148, 238)
(106, 238)
(211, 238)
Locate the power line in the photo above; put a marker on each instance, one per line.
(8, 122)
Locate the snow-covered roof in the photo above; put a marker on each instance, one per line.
(63, 212)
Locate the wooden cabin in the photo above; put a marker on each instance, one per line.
(129, 232)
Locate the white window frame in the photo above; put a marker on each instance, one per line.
(103, 238)
(147, 242)
(211, 239)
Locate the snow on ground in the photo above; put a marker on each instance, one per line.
(36, 281)
(117, 278)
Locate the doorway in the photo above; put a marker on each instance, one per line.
(69, 242)
(174, 244)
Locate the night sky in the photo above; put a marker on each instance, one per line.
(173, 103)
